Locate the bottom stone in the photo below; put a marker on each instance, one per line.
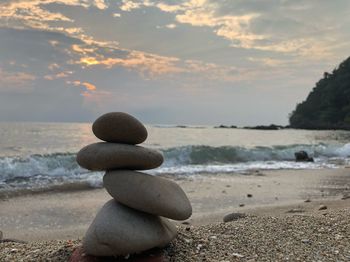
(151, 256)
(119, 230)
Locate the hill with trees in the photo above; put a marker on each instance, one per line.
(328, 104)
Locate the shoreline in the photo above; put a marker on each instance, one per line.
(86, 186)
(66, 215)
(278, 225)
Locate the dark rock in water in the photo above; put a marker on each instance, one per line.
(302, 156)
(262, 127)
(233, 216)
(223, 126)
(249, 195)
(109, 156)
(119, 127)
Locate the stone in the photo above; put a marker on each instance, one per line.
(79, 255)
(233, 216)
(302, 156)
(295, 210)
(109, 156)
(119, 127)
(147, 193)
(119, 230)
(322, 207)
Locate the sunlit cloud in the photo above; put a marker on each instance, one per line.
(130, 5)
(15, 81)
(88, 86)
(238, 28)
(171, 26)
(145, 63)
(59, 75)
(266, 61)
(34, 14)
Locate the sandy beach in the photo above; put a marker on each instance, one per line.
(278, 197)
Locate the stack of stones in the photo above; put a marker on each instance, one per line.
(135, 219)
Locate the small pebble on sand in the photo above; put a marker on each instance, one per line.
(322, 207)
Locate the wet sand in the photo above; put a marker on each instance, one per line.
(66, 215)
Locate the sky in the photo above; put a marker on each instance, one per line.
(204, 62)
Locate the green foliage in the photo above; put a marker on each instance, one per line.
(328, 104)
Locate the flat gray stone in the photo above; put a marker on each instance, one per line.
(119, 127)
(151, 194)
(120, 230)
(109, 156)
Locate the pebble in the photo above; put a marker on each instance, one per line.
(295, 210)
(147, 193)
(322, 207)
(119, 127)
(345, 196)
(119, 230)
(233, 216)
(256, 238)
(108, 156)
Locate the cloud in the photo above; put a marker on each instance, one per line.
(35, 14)
(170, 26)
(88, 86)
(145, 63)
(130, 5)
(15, 81)
(267, 61)
(284, 27)
(59, 75)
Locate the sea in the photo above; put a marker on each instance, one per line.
(37, 157)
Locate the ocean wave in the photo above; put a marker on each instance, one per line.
(44, 171)
(60, 169)
(195, 155)
(241, 168)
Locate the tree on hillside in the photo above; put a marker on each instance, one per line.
(328, 104)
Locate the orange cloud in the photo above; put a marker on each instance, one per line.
(146, 63)
(238, 28)
(87, 85)
(34, 14)
(81, 49)
(58, 75)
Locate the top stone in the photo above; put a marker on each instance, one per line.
(119, 127)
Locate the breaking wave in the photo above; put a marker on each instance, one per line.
(60, 170)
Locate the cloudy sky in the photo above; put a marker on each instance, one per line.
(242, 62)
